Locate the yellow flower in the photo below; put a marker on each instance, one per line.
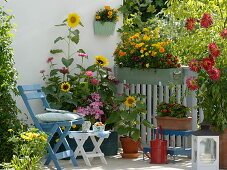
(168, 41)
(97, 17)
(65, 86)
(107, 7)
(10, 130)
(147, 65)
(110, 13)
(56, 140)
(146, 54)
(142, 56)
(146, 38)
(73, 126)
(109, 16)
(74, 110)
(141, 51)
(62, 128)
(102, 61)
(25, 137)
(145, 29)
(73, 20)
(130, 100)
(153, 53)
(43, 138)
(118, 18)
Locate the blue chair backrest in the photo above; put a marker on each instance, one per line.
(30, 92)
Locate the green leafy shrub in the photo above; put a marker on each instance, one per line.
(8, 74)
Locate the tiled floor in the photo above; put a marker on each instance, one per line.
(118, 163)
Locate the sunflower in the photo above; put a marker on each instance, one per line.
(102, 61)
(130, 101)
(65, 86)
(73, 20)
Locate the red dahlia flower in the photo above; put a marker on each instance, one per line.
(212, 47)
(206, 20)
(207, 63)
(190, 23)
(215, 53)
(214, 74)
(192, 83)
(223, 34)
(195, 65)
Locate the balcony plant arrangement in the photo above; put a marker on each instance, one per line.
(173, 116)
(105, 21)
(205, 26)
(125, 121)
(146, 57)
(71, 86)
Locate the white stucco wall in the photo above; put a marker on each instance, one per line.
(36, 33)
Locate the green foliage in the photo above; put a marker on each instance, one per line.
(8, 74)
(30, 147)
(190, 44)
(125, 119)
(137, 13)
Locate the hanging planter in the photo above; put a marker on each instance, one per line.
(104, 28)
(150, 76)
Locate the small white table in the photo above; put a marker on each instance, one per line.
(80, 138)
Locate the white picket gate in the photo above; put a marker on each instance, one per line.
(156, 94)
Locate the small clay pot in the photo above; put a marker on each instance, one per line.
(130, 147)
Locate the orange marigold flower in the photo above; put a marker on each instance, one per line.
(107, 7)
(97, 17)
(161, 50)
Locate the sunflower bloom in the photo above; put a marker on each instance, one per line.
(102, 61)
(130, 101)
(65, 86)
(73, 20)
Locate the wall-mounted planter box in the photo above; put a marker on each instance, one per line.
(104, 28)
(150, 76)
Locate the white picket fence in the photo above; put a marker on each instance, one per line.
(156, 94)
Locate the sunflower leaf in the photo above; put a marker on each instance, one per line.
(81, 51)
(67, 62)
(75, 39)
(58, 39)
(56, 51)
(81, 24)
(53, 72)
(75, 32)
(60, 25)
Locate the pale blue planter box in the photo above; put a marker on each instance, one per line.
(104, 28)
(150, 76)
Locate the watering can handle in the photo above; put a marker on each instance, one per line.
(161, 132)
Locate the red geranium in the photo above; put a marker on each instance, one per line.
(64, 70)
(192, 83)
(223, 34)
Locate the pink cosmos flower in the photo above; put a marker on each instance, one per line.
(50, 59)
(214, 74)
(223, 34)
(192, 83)
(89, 73)
(82, 55)
(42, 71)
(64, 70)
(94, 81)
(190, 23)
(206, 20)
(195, 65)
(207, 63)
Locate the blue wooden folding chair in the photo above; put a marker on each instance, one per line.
(29, 92)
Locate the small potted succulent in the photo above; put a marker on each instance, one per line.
(105, 21)
(173, 116)
(125, 121)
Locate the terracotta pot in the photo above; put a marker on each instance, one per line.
(173, 123)
(130, 147)
(223, 150)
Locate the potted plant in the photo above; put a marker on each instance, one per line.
(105, 21)
(146, 57)
(173, 116)
(125, 121)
